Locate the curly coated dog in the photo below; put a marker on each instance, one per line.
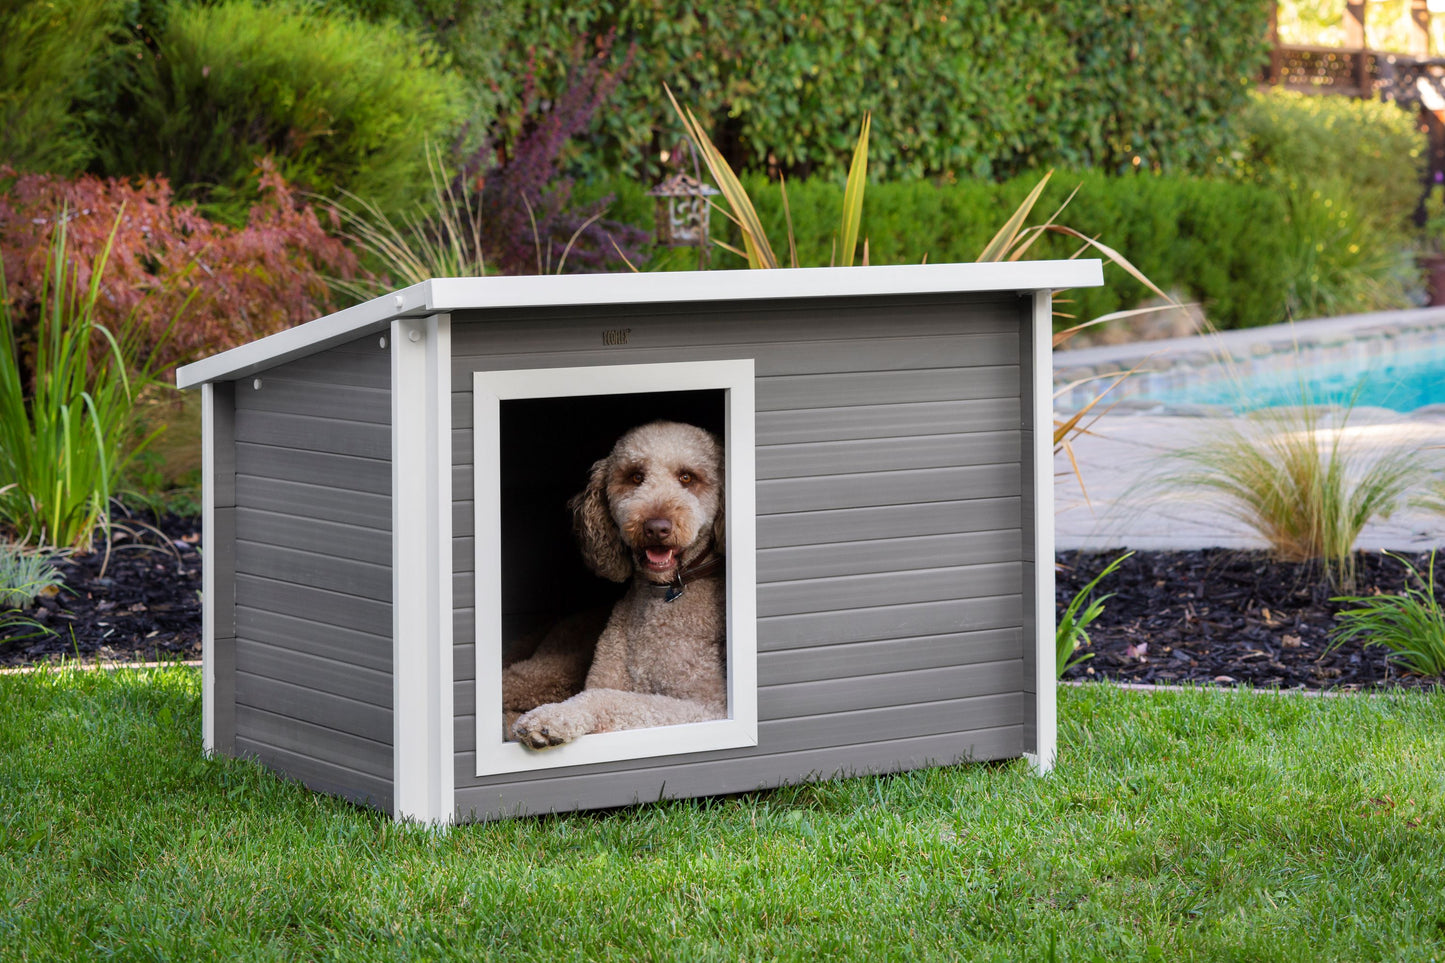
(652, 514)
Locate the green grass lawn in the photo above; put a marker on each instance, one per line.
(1177, 825)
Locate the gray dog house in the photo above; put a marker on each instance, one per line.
(385, 510)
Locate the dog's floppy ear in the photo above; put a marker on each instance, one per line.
(719, 521)
(602, 547)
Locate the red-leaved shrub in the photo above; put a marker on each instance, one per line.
(243, 282)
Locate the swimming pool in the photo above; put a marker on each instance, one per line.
(1389, 359)
(1401, 381)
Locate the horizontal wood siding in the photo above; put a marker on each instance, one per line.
(313, 571)
(890, 562)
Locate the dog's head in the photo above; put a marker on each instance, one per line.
(655, 503)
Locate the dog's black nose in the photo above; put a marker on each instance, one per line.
(658, 528)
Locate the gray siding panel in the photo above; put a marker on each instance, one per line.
(358, 438)
(886, 387)
(323, 502)
(887, 555)
(302, 702)
(820, 731)
(313, 570)
(315, 468)
(311, 534)
(885, 421)
(832, 696)
(887, 454)
(805, 527)
(840, 660)
(780, 358)
(591, 791)
(321, 775)
(306, 602)
(321, 370)
(888, 588)
(337, 402)
(340, 748)
(889, 622)
(889, 532)
(337, 676)
(366, 580)
(885, 488)
(303, 637)
(531, 330)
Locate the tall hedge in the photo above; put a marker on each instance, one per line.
(47, 55)
(337, 101)
(962, 88)
(1250, 253)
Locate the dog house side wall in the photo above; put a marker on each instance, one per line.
(313, 580)
(890, 486)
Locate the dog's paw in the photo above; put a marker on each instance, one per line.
(547, 726)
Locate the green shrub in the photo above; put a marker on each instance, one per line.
(956, 87)
(1373, 150)
(472, 34)
(338, 102)
(1341, 260)
(46, 51)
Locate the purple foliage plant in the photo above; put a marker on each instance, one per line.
(529, 222)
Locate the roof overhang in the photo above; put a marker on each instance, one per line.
(442, 295)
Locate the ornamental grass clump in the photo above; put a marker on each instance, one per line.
(68, 412)
(1302, 484)
(1411, 625)
(441, 239)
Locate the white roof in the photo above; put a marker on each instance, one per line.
(441, 295)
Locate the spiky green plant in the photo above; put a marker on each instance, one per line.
(69, 429)
(1411, 625)
(757, 250)
(1071, 633)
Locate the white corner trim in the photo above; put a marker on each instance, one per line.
(1045, 659)
(208, 568)
(740, 729)
(421, 574)
(681, 287)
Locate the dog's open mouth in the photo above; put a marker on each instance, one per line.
(659, 558)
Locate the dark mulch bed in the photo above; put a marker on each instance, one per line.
(1211, 617)
(141, 604)
(1228, 617)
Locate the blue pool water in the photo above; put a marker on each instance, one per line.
(1401, 381)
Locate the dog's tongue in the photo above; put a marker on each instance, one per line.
(659, 557)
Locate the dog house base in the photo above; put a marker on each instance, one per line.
(892, 606)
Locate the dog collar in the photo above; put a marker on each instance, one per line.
(710, 564)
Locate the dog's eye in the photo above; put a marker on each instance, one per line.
(685, 478)
(636, 477)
